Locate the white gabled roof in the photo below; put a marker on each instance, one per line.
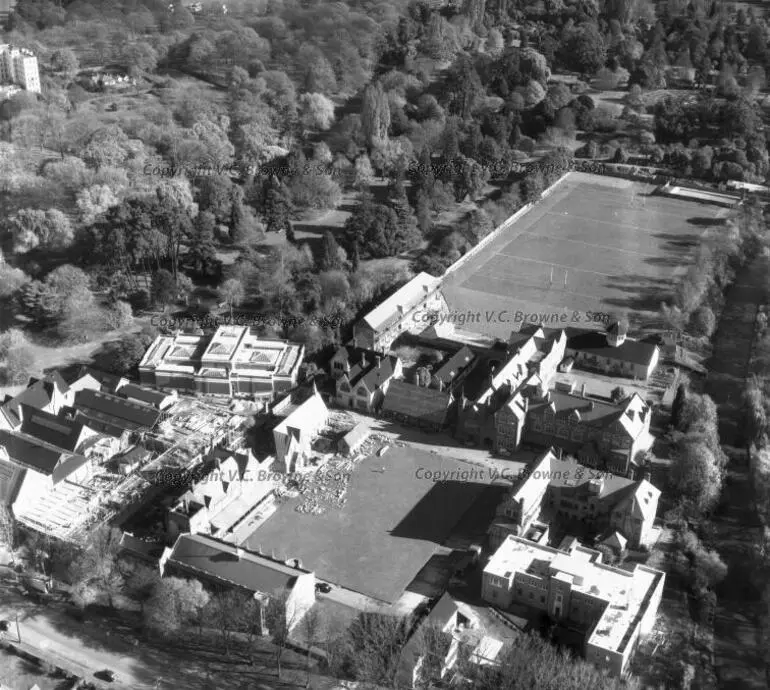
(407, 297)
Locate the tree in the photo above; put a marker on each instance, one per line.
(278, 206)
(280, 617)
(175, 602)
(140, 58)
(9, 531)
(17, 354)
(164, 289)
(202, 250)
(375, 114)
(696, 475)
(703, 321)
(31, 228)
(585, 48)
(232, 293)
(678, 405)
(372, 648)
(316, 111)
(315, 191)
(329, 258)
(96, 571)
(65, 62)
(618, 394)
(364, 175)
(95, 200)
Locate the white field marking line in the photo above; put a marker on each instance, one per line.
(567, 268)
(588, 244)
(613, 223)
(593, 298)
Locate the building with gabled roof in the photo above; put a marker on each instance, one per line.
(362, 377)
(613, 352)
(563, 489)
(409, 310)
(453, 371)
(420, 406)
(115, 410)
(160, 400)
(50, 394)
(495, 415)
(213, 504)
(600, 433)
(295, 432)
(612, 608)
(222, 564)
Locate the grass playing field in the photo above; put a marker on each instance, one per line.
(394, 519)
(594, 245)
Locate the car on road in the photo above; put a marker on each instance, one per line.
(323, 587)
(106, 674)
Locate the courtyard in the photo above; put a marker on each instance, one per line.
(393, 520)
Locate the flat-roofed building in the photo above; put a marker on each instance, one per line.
(233, 361)
(409, 310)
(612, 608)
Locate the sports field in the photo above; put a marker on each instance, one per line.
(393, 521)
(594, 245)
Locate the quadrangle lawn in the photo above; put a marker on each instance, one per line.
(393, 521)
(595, 244)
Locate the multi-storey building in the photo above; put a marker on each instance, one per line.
(600, 433)
(564, 489)
(362, 377)
(234, 361)
(409, 310)
(612, 608)
(496, 417)
(19, 66)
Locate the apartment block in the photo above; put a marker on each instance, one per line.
(19, 66)
(611, 608)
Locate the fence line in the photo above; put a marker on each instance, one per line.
(500, 228)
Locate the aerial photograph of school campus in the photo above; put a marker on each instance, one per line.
(384, 344)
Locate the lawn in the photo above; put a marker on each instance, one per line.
(392, 523)
(595, 244)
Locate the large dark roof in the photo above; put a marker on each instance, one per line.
(44, 426)
(426, 404)
(145, 395)
(595, 343)
(454, 365)
(40, 456)
(114, 410)
(218, 560)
